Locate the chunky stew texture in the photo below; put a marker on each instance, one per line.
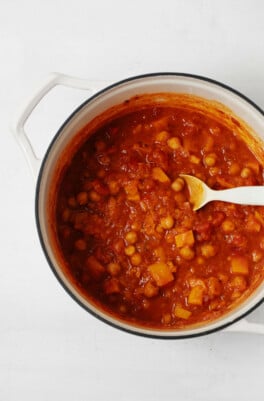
(128, 234)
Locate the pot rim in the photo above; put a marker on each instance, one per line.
(133, 330)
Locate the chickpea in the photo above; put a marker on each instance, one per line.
(113, 269)
(177, 184)
(208, 250)
(94, 196)
(174, 143)
(234, 169)
(167, 222)
(228, 226)
(82, 198)
(162, 136)
(80, 244)
(136, 259)
(130, 250)
(210, 159)
(187, 253)
(131, 237)
(246, 172)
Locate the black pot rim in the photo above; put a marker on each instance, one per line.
(133, 329)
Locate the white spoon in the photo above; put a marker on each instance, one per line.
(201, 194)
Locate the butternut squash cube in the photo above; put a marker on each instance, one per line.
(184, 239)
(161, 273)
(239, 265)
(181, 312)
(159, 175)
(196, 296)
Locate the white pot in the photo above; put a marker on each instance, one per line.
(94, 106)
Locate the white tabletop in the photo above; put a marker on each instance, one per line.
(50, 348)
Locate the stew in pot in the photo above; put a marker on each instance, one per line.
(129, 237)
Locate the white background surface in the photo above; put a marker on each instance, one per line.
(51, 349)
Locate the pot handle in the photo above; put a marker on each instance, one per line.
(31, 102)
(244, 326)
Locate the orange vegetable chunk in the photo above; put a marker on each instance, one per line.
(196, 295)
(181, 312)
(161, 273)
(159, 175)
(184, 239)
(239, 265)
